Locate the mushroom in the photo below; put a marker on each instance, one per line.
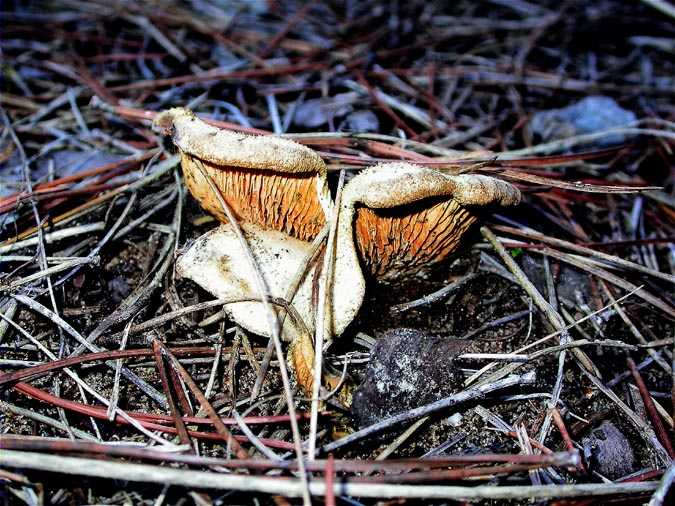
(278, 192)
(394, 219)
(408, 216)
(275, 183)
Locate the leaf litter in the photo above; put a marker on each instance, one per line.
(561, 308)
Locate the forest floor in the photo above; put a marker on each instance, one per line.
(536, 363)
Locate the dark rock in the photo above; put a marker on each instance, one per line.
(64, 163)
(608, 451)
(568, 284)
(407, 369)
(118, 288)
(319, 111)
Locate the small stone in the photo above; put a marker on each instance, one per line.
(118, 289)
(608, 451)
(589, 115)
(568, 284)
(361, 122)
(407, 369)
(455, 420)
(319, 111)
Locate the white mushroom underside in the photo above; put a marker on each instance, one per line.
(217, 262)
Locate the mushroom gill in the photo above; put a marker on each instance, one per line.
(408, 217)
(399, 241)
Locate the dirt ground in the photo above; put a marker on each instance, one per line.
(456, 87)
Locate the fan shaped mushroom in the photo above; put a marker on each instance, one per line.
(396, 218)
(393, 218)
(409, 216)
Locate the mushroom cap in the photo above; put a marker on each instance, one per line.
(408, 216)
(217, 263)
(272, 182)
(226, 148)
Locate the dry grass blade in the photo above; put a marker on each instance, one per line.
(178, 419)
(272, 320)
(324, 332)
(582, 263)
(293, 488)
(220, 427)
(530, 234)
(555, 320)
(576, 186)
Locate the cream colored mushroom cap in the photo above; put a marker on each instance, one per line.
(217, 262)
(396, 184)
(223, 147)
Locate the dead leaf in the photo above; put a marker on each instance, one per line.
(302, 359)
